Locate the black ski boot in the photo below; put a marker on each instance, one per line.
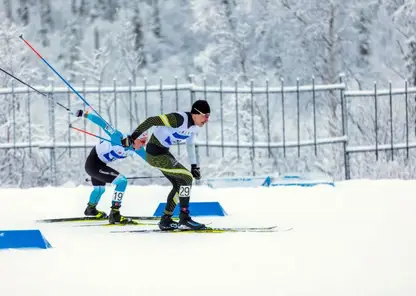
(186, 222)
(166, 223)
(116, 218)
(91, 211)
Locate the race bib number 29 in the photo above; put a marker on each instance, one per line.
(185, 191)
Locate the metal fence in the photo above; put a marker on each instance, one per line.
(252, 130)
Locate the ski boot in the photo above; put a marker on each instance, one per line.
(166, 223)
(91, 211)
(116, 218)
(186, 222)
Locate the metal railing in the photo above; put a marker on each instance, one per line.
(252, 130)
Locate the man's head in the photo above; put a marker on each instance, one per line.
(200, 112)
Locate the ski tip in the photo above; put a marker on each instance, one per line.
(91, 218)
(267, 229)
(21, 36)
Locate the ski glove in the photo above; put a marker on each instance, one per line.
(78, 113)
(127, 141)
(195, 171)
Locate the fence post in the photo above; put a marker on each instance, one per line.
(268, 117)
(236, 117)
(11, 106)
(391, 121)
(29, 122)
(314, 114)
(191, 90)
(344, 118)
(252, 118)
(99, 102)
(14, 118)
(85, 122)
(283, 117)
(298, 113)
(145, 98)
(177, 106)
(375, 118)
(222, 118)
(407, 119)
(130, 106)
(206, 125)
(191, 95)
(161, 94)
(53, 134)
(115, 102)
(69, 121)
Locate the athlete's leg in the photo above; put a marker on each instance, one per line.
(121, 184)
(92, 166)
(173, 196)
(100, 175)
(181, 180)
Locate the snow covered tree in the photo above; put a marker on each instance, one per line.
(23, 12)
(410, 59)
(105, 9)
(240, 48)
(71, 41)
(46, 21)
(94, 68)
(8, 9)
(156, 28)
(131, 41)
(406, 23)
(14, 119)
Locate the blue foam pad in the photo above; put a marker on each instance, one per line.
(196, 209)
(228, 182)
(303, 184)
(296, 180)
(18, 239)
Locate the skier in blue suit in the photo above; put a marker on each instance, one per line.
(97, 167)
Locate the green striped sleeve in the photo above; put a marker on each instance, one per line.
(170, 120)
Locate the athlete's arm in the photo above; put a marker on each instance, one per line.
(190, 147)
(170, 120)
(110, 131)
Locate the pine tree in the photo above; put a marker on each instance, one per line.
(138, 35)
(71, 42)
(8, 9)
(19, 167)
(131, 44)
(47, 24)
(410, 59)
(105, 9)
(23, 12)
(156, 23)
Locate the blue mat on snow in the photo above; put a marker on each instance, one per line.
(23, 239)
(196, 209)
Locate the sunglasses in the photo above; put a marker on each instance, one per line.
(206, 115)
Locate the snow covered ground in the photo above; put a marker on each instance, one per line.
(357, 238)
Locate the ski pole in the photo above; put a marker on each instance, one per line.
(59, 104)
(39, 92)
(63, 79)
(91, 134)
(136, 178)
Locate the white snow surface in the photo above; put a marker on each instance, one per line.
(357, 238)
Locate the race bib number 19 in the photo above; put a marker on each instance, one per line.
(118, 196)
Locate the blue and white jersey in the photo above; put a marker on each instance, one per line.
(108, 152)
(168, 135)
(111, 151)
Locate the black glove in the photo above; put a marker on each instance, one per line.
(127, 141)
(196, 173)
(79, 113)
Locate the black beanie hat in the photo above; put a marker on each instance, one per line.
(200, 106)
